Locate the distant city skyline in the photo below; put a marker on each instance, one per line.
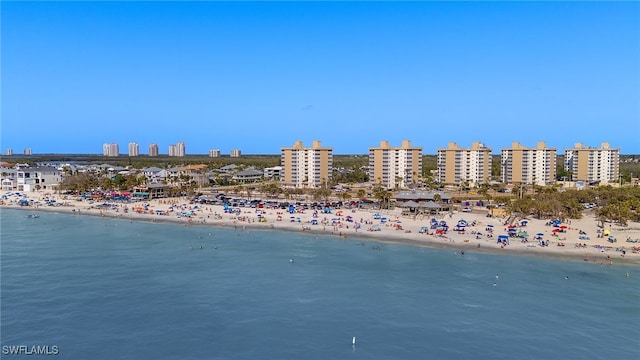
(257, 76)
(179, 149)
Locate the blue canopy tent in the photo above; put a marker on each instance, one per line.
(503, 238)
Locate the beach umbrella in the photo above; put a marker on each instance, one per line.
(563, 227)
(539, 234)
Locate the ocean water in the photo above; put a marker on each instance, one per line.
(102, 288)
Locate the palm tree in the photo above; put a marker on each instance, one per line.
(287, 193)
(398, 181)
(142, 179)
(345, 196)
(272, 189)
(383, 197)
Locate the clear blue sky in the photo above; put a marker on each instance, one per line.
(258, 76)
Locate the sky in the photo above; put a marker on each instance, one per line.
(259, 76)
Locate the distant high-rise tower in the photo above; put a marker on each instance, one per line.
(153, 149)
(306, 167)
(214, 153)
(177, 150)
(593, 164)
(457, 165)
(181, 149)
(134, 150)
(8, 152)
(28, 151)
(395, 166)
(235, 153)
(528, 166)
(110, 149)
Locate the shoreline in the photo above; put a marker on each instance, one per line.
(403, 231)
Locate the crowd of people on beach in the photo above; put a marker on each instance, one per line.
(387, 225)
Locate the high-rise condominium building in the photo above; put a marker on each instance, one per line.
(177, 149)
(153, 149)
(28, 151)
(110, 149)
(214, 153)
(593, 164)
(523, 165)
(306, 167)
(471, 166)
(182, 151)
(8, 152)
(235, 153)
(395, 167)
(134, 149)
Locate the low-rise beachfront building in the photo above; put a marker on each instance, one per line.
(306, 167)
(228, 168)
(37, 178)
(154, 175)
(457, 165)
(593, 165)
(395, 167)
(150, 191)
(522, 165)
(197, 173)
(248, 176)
(272, 172)
(9, 182)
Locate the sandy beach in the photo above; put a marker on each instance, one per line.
(575, 240)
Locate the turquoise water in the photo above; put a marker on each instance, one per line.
(101, 288)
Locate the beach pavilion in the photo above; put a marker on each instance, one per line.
(423, 201)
